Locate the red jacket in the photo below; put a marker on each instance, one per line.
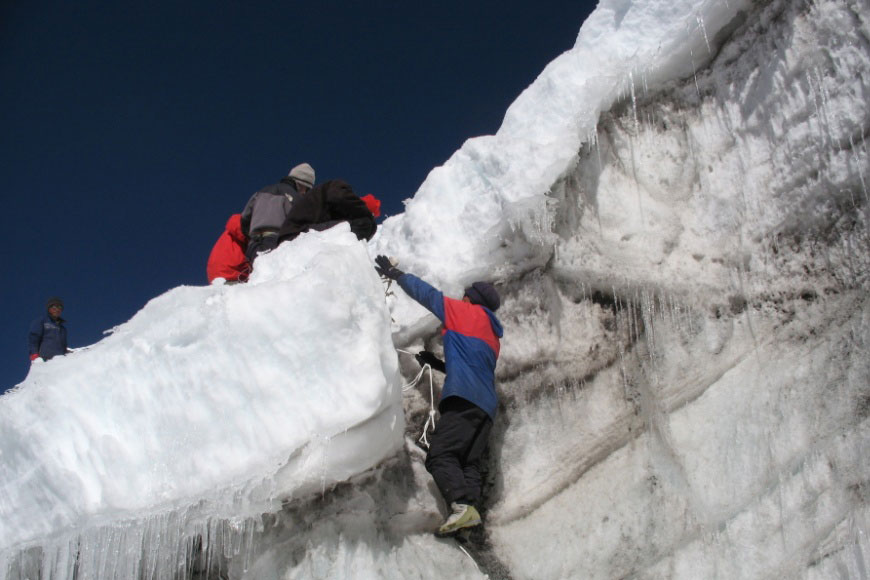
(227, 259)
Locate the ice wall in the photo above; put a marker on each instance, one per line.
(681, 238)
(697, 404)
(211, 402)
(676, 216)
(684, 372)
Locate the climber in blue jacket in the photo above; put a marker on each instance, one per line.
(47, 336)
(468, 399)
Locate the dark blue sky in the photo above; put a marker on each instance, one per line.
(131, 131)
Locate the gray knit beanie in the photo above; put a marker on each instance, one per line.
(303, 174)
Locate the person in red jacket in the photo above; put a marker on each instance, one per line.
(227, 259)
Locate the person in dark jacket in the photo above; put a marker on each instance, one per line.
(468, 398)
(267, 210)
(47, 337)
(326, 205)
(227, 259)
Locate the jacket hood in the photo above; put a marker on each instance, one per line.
(494, 321)
(234, 228)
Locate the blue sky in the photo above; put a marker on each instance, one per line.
(130, 132)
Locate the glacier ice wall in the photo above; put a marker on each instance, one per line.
(698, 407)
(676, 214)
(684, 373)
(684, 376)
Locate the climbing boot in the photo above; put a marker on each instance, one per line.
(463, 516)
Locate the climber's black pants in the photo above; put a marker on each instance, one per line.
(458, 442)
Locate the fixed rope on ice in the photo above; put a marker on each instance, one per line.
(430, 422)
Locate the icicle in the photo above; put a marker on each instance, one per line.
(694, 71)
(633, 103)
(860, 166)
(704, 31)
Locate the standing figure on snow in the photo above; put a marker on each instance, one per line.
(266, 211)
(47, 337)
(227, 259)
(468, 399)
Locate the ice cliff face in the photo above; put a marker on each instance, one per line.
(701, 393)
(685, 377)
(685, 381)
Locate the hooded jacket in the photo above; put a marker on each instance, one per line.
(471, 336)
(47, 337)
(227, 259)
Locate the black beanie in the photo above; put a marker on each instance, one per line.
(52, 301)
(484, 293)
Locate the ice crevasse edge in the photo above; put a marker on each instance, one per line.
(236, 396)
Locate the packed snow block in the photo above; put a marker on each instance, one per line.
(235, 395)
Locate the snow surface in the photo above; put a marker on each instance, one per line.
(225, 394)
(676, 215)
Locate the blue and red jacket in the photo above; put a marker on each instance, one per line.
(47, 337)
(471, 343)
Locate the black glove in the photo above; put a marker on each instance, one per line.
(364, 228)
(424, 357)
(385, 268)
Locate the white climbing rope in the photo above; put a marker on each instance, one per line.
(470, 557)
(430, 422)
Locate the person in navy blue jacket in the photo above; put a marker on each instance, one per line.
(468, 398)
(47, 337)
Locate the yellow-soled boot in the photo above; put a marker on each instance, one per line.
(463, 516)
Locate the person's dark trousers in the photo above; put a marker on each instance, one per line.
(458, 442)
(259, 244)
